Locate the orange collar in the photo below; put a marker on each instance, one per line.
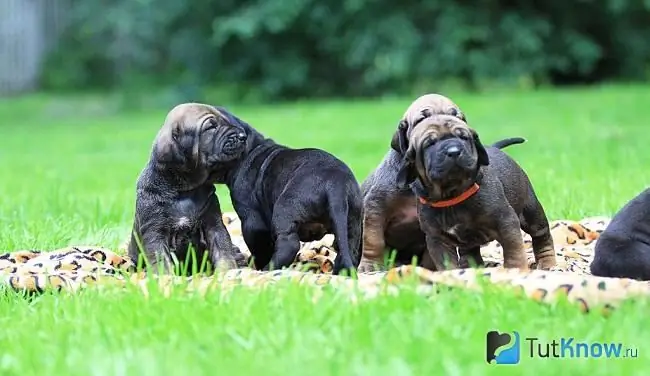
(453, 201)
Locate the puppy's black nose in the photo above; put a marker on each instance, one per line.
(241, 136)
(453, 151)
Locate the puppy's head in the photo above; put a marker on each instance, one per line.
(423, 107)
(442, 148)
(199, 135)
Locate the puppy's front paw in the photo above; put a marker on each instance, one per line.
(546, 263)
(516, 264)
(241, 261)
(367, 266)
(237, 258)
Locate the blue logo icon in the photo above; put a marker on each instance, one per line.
(502, 347)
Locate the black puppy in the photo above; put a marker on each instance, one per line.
(176, 204)
(284, 196)
(469, 195)
(623, 249)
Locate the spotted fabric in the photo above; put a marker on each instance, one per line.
(74, 268)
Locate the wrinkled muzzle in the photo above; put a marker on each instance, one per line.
(234, 143)
(228, 146)
(449, 158)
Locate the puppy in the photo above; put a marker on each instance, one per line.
(623, 249)
(469, 195)
(390, 218)
(284, 196)
(176, 205)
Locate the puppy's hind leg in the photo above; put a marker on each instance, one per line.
(287, 245)
(509, 236)
(285, 223)
(258, 239)
(346, 213)
(535, 224)
(374, 243)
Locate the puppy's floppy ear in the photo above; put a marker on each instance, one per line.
(406, 173)
(399, 143)
(196, 142)
(167, 147)
(483, 159)
(459, 114)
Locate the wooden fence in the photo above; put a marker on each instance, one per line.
(28, 30)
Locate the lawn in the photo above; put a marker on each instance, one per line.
(67, 176)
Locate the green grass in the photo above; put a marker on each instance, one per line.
(67, 175)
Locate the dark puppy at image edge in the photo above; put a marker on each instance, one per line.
(623, 249)
(469, 195)
(284, 196)
(176, 205)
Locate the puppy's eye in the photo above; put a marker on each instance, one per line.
(430, 142)
(461, 134)
(210, 124)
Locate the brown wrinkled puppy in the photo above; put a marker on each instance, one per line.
(176, 204)
(469, 195)
(390, 217)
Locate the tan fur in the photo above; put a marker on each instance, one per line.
(184, 116)
(435, 103)
(423, 107)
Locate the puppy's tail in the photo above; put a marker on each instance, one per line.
(508, 141)
(344, 216)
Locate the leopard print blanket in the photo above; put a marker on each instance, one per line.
(74, 268)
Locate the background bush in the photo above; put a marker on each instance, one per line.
(284, 49)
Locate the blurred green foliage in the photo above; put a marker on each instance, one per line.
(284, 49)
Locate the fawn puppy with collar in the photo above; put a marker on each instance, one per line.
(390, 219)
(469, 195)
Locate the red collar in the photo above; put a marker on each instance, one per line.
(453, 201)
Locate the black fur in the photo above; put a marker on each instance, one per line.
(623, 249)
(284, 196)
(508, 141)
